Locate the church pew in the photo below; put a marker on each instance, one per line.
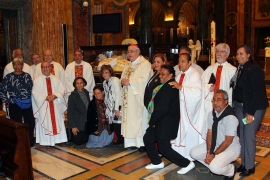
(15, 149)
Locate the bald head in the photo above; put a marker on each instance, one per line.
(48, 56)
(17, 53)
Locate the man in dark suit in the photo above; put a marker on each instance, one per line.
(164, 115)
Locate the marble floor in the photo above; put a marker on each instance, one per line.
(116, 162)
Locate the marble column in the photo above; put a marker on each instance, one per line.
(202, 28)
(146, 21)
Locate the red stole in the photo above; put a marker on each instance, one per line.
(79, 71)
(181, 78)
(51, 105)
(52, 69)
(218, 76)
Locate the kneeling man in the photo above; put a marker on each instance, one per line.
(222, 143)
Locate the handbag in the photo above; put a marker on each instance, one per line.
(23, 103)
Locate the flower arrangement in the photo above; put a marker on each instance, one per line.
(267, 41)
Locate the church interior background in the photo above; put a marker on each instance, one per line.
(36, 25)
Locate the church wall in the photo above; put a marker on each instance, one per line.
(48, 17)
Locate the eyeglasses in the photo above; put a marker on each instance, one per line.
(131, 51)
(43, 67)
(217, 51)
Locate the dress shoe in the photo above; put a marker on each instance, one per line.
(241, 168)
(248, 172)
(132, 148)
(141, 149)
(231, 177)
(117, 143)
(153, 166)
(186, 169)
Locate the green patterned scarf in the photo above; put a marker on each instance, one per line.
(150, 107)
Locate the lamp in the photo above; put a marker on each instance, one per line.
(83, 7)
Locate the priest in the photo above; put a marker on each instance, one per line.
(48, 107)
(79, 68)
(192, 127)
(56, 68)
(217, 76)
(17, 53)
(134, 79)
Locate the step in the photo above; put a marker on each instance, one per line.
(263, 139)
(265, 125)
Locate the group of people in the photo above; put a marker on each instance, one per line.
(182, 112)
(193, 114)
(38, 95)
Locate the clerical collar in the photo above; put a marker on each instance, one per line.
(78, 64)
(218, 114)
(222, 64)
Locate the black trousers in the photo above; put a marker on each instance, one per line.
(16, 113)
(117, 130)
(80, 138)
(164, 147)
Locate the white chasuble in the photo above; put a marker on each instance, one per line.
(227, 73)
(42, 110)
(192, 127)
(133, 126)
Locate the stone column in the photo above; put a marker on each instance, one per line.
(146, 21)
(202, 27)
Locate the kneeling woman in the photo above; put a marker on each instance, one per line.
(164, 115)
(97, 123)
(77, 111)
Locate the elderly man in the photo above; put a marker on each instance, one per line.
(79, 68)
(185, 49)
(192, 128)
(48, 107)
(222, 143)
(134, 78)
(56, 68)
(17, 53)
(35, 61)
(217, 76)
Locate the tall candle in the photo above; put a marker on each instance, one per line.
(187, 31)
(213, 42)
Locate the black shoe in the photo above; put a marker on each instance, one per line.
(241, 169)
(132, 148)
(231, 177)
(247, 172)
(141, 149)
(117, 143)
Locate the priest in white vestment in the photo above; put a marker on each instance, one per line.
(17, 53)
(134, 79)
(56, 68)
(79, 68)
(185, 49)
(48, 107)
(35, 58)
(192, 127)
(222, 71)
